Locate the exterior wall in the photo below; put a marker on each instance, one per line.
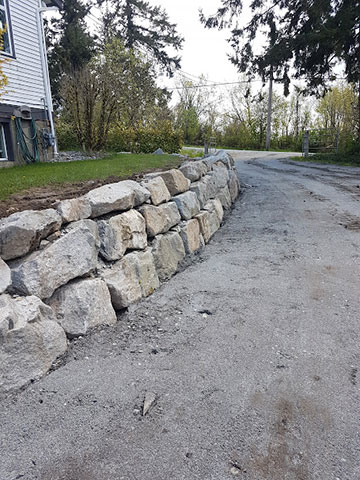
(24, 72)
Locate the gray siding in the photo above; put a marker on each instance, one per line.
(25, 75)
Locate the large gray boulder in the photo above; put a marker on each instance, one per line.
(74, 209)
(234, 185)
(205, 189)
(219, 177)
(146, 271)
(168, 251)
(220, 156)
(191, 235)
(123, 282)
(119, 196)
(159, 192)
(175, 181)
(188, 205)
(160, 219)
(215, 206)
(120, 233)
(209, 223)
(82, 305)
(5, 276)
(31, 340)
(73, 255)
(22, 232)
(194, 170)
(225, 197)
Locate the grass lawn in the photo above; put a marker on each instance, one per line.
(17, 179)
(332, 158)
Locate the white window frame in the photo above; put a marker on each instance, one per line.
(5, 9)
(2, 133)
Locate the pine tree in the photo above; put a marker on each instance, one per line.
(142, 26)
(70, 44)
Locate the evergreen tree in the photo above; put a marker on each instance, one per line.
(70, 44)
(140, 25)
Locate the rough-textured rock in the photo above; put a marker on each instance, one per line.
(175, 181)
(209, 224)
(119, 196)
(168, 251)
(74, 209)
(160, 219)
(22, 232)
(146, 271)
(73, 255)
(225, 198)
(123, 282)
(31, 340)
(120, 233)
(5, 276)
(194, 170)
(82, 305)
(219, 177)
(215, 206)
(159, 192)
(220, 156)
(204, 190)
(142, 194)
(188, 205)
(234, 186)
(191, 236)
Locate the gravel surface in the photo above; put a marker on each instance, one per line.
(252, 353)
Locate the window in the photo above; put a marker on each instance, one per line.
(3, 152)
(5, 27)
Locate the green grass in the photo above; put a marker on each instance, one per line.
(344, 159)
(17, 179)
(192, 153)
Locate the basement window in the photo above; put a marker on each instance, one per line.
(6, 47)
(3, 151)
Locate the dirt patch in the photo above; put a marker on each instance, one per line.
(39, 198)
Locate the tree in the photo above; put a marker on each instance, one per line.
(142, 26)
(70, 44)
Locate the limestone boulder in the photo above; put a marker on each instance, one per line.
(219, 177)
(73, 255)
(225, 197)
(194, 170)
(74, 209)
(215, 206)
(123, 283)
(119, 196)
(175, 181)
(161, 218)
(82, 305)
(145, 270)
(205, 189)
(120, 233)
(22, 232)
(234, 185)
(168, 251)
(188, 205)
(31, 340)
(220, 156)
(5, 276)
(159, 192)
(209, 224)
(191, 235)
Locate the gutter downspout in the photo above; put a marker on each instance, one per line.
(45, 68)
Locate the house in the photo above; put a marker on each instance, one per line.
(27, 131)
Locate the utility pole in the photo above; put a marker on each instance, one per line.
(269, 113)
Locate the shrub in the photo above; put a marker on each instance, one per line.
(66, 137)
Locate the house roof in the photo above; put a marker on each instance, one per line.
(54, 3)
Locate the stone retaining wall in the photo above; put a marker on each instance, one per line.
(65, 271)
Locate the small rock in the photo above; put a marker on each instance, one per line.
(149, 402)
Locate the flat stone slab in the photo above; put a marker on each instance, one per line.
(22, 232)
(161, 218)
(82, 305)
(31, 340)
(121, 233)
(73, 255)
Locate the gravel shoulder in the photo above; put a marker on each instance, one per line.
(252, 352)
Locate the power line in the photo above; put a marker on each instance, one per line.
(215, 85)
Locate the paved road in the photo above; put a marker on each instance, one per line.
(253, 352)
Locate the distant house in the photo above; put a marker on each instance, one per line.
(26, 112)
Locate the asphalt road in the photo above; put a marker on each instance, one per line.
(253, 353)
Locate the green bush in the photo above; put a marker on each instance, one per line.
(66, 137)
(144, 140)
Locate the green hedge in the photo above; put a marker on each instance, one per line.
(144, 140)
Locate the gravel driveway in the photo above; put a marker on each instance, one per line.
(253, 353)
